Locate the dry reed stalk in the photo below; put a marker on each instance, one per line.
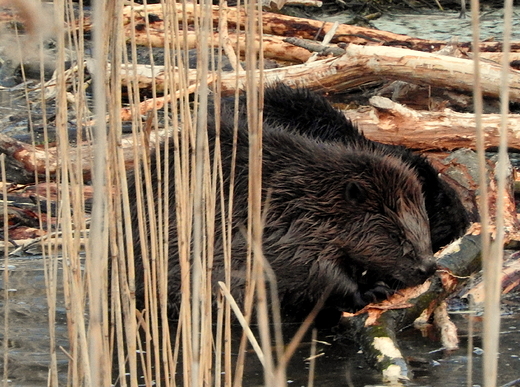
(312, 358)
(182, 189)
(254, 273)
(492, 253)
(273, 376)
(171, 51)
(223, 330)
(227, 229)
(37, 29)
(124, 323)
(5, 225)
(492, 264)
(203, 26)
(96, 262)
(158, 264)
(149, 356)
(471, 327)
(276, 312)
(72, 273)
(224, 40)
(250, 287)
(50, 258)
(478, 107)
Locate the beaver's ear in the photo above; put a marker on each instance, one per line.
(355, 193)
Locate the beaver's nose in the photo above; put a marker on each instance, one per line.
(427, 269)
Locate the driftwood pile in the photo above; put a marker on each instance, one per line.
(430, 76)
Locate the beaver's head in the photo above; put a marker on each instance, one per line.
(388, 233)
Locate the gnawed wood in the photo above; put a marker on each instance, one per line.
(393, 123)
(362, 64)
(378, 323)
(460, 169)
(374, 328)
(446, 327)
(510, 279)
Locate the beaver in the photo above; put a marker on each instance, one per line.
(306, 112)
(340, 217)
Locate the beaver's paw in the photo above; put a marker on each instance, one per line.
(381, 291)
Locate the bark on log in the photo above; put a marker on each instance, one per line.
(276, 24)
(392, 123)
(363, 64)
(23, 160)
(282, 25)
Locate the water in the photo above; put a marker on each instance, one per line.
(444, 26)
(340, 362)
(28, 324)
(447, 25)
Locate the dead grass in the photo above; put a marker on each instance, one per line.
(109, 340)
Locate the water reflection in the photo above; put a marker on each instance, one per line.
(28, 324)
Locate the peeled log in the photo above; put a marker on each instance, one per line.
(362, 64)
(391, 123)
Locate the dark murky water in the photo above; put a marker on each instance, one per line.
(340, 363)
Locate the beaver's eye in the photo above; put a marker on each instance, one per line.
(355, 193)
(395, 237)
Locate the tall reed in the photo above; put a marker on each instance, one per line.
(110, 342)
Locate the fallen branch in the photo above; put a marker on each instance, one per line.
(288, 26)
(23, 160)
(392, 123)
(274, 24)
(274, 47)
(29, 160)
(363, 64)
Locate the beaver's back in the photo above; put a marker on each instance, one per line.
(339, 218)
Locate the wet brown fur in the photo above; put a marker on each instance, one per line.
(342, 217)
